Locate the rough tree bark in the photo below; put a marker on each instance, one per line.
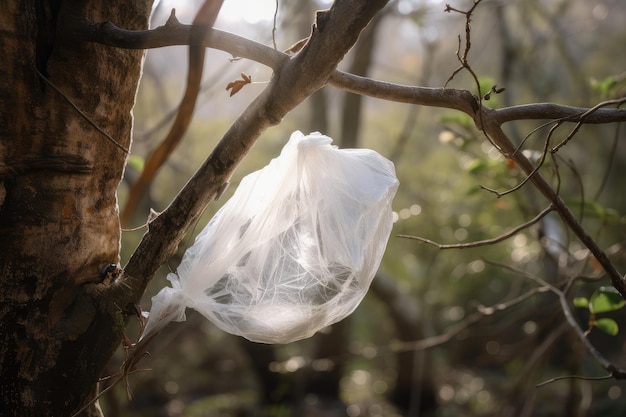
(58, 215)
(61, 317)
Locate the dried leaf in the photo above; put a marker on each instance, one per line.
(235, 86)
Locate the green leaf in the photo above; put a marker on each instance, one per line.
(606, 299)
(136, 162)
(597, 211)
(581, 302)
(473, 191)
(460, 119)
(608, 326)
(604, 86)
(476, 166)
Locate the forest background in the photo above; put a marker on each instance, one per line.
(467, 330)
(487, 362)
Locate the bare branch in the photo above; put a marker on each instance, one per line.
(468, 43)
(592, 110)
(449, 98)
(274, 26)
(494, 130)
(485, 242)
(171, 34)
(584, 378)
(536, 169)
(175, 33)
(614, 371)
(550, 111)
(205, 18)
(609, 165)
(457, 328)
(334, 33)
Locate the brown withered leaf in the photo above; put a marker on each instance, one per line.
(235, 86)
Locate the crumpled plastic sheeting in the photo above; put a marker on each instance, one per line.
(294, 250)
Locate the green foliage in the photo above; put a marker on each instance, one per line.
(136, 162)
(603, 300)
(607, 325)
(441, 168)
(460, 119)
(595, 210)
(581, 302)
(609, 87)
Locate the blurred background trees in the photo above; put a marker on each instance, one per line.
(495, 334)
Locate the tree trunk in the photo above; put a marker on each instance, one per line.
(414, 392)
(58, 207)
(64, 137)
(351, 112)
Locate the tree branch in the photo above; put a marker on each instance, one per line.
(296, 78)
(175, 33)
(551, 111)
(464, 324)
(485, 242)
(205, 18)
(495, 132)
(616, 372)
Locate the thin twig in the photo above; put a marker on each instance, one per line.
(614, 371)
(531, 173)
(545, 111)
(541, 126)
(539, 352)
(585, 378)
(525, 274)
(457, 328)
(79, 111)
(175, 33)
(617, 102)
(494, 129)
(468, 43)
(274, 26)
(485, 242)
(204, 19)
(612, 156)
(465, 65)
(579, 180)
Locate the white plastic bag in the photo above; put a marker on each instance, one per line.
(295, 248)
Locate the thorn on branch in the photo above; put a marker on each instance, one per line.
(296, 47)
(449, 9)
(172, 20)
